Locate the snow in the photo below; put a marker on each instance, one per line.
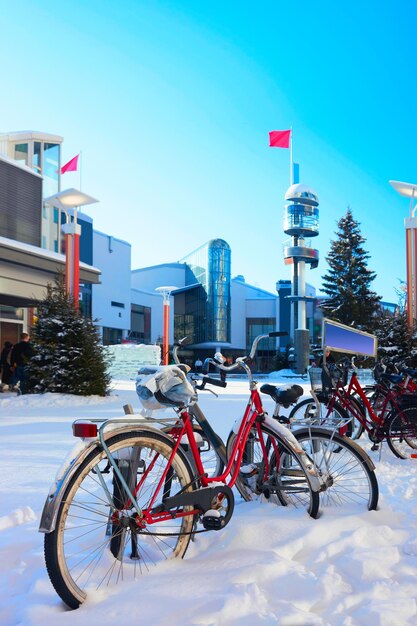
(270, 565)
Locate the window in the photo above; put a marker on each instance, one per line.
(51, 154)
(56, 215)
(111, 335)
(37, 164)
(140, 323)
(118, 304)
(21, 153)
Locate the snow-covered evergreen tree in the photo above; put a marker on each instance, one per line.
(347, 283)
(396, 344)
(69, 356)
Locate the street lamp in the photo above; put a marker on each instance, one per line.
(166, 293)
(64, 200)
(410, 191)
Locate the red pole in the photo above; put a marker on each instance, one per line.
(72, 263)
(166, 332)
(76, 270)
(68, 262)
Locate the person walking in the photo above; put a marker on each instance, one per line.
(198, 366)
(329, 359)
(21, 354)
(5, 366)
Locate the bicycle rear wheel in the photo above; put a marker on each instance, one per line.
(99, 538)
(402, 432)
(349, 479)
(264, 474)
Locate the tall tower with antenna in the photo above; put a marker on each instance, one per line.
(301, 221)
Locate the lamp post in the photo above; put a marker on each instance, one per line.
(410, 191)
(166, 293)
(64, 200)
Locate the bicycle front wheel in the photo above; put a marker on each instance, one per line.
(402, 432)
(348, 480)
(271, 470)
(99, 538)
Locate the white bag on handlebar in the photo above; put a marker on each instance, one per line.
(164, 386)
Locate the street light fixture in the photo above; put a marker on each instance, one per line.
(64, 200)
(409, 190)
(166, 293)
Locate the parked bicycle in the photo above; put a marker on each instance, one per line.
(128, 497)
(385, 413)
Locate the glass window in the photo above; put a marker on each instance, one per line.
(140, 323)
(21, 153)
(51, 152)
(37, 164)
(56, 215)
(11, 313)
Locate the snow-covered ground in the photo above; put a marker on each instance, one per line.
(271, 565)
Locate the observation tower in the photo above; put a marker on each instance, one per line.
(301, 221)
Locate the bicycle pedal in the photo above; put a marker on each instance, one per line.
(375, 447)
(212, 520)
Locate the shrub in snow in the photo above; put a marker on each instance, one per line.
(69, 356)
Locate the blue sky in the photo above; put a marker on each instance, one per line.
(171, 104)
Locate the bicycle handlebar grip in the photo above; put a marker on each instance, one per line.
(278, 333)
(215, 382)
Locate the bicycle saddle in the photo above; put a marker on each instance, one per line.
(286, 396)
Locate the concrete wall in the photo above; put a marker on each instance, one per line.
(112, 256)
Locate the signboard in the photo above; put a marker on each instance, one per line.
(342, 338)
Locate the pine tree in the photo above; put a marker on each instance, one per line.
(347, 283)
(395, 341)
(69, 356)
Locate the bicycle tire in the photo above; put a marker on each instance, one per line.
(401, 429)
(306, 411)
(351, 480)
(85, 550)
(280, 486)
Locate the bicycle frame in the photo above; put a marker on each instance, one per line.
(253, 415)
(344, 398)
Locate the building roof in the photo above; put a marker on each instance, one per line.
(30, 134)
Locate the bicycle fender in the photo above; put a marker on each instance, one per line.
(64, 474)
(72, 462)
(365, 457)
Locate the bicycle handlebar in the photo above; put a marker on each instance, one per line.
(241, 362)
(211, 381)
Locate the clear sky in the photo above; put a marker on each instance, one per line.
(171, 103)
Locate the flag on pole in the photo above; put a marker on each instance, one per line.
(71, 166)
(279, 138)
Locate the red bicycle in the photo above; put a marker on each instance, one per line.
(387, 414)
(129, 498)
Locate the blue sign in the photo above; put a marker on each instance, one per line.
(347, 339)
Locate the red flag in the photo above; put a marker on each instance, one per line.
(279, 138)
(71, 166)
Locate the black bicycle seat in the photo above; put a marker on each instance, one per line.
(286, 396)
